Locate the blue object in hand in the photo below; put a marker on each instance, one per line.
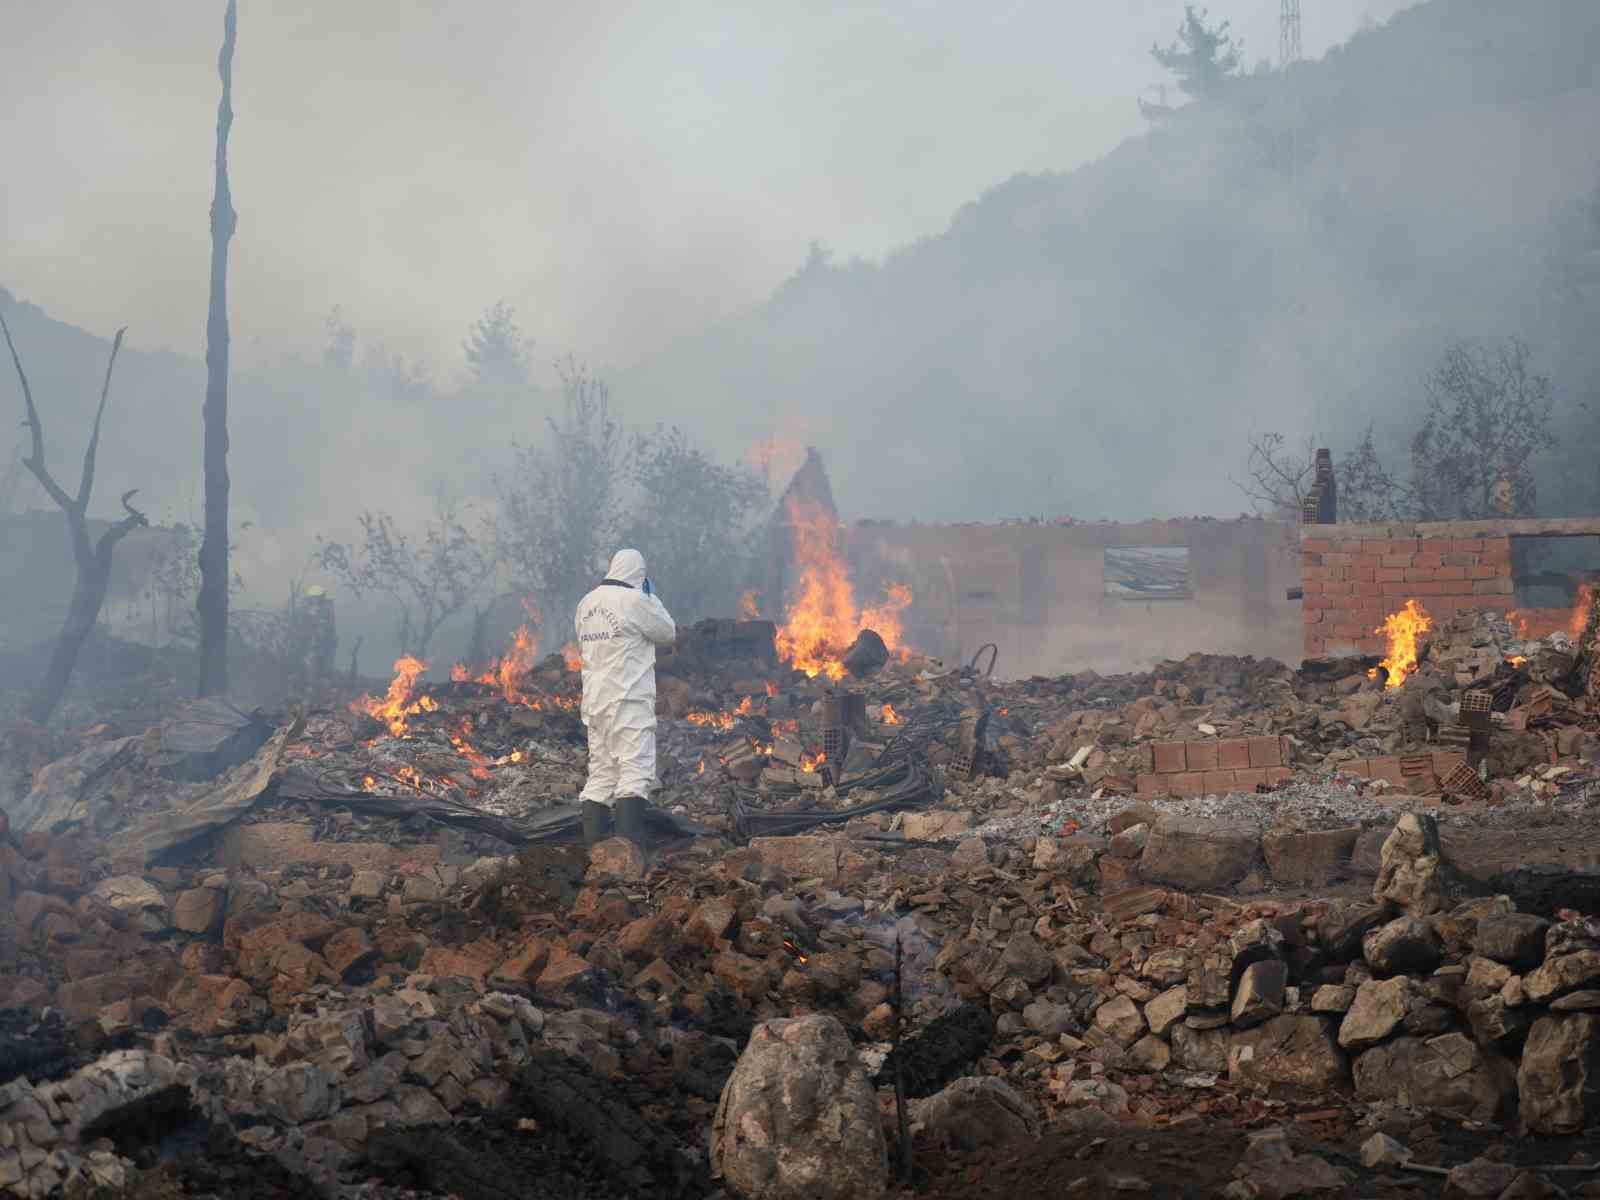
(648, 590)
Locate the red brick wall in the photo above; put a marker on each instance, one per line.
(1351, 583)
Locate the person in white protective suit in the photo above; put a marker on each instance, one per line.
(620, 624)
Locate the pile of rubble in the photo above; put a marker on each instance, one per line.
(363, 946)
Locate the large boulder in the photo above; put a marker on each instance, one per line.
(1198, 855)
(1292, 1051)
(1558, 1083)
(975, 1113)
(1412, 876)
(1380, 1008)
(1562, 973)
(1448, 1074)
(137, 899)
(1308, 857)
(1341, 930)
(1516, 939)
(1405, 945)
(798, 1119)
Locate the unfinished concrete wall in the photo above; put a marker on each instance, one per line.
(1040, 592)
(1355, 575)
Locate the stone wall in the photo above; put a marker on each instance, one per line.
(1038, 591)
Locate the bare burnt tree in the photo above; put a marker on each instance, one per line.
(212, 604)
(1367, 491)
(93, 558)
(1278, 476)
(561, 512)
(430, 579)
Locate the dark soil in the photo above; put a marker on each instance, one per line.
(41, 1049)
(566, 1135)
(940, 1051)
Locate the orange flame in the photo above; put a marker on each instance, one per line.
(748, 610)
(701, 769)
(1517, 660)
(572, 656)
(891, 716)
(1403, 628)
(458, 739)
(716, 720)
(1580, 612)
(368, 783)
(510, 670)
(397, 704)
(823, 619)
(810, 764)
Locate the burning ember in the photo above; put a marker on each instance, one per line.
(1517, 660)
(717, 720)
(748, 609)
(823, 620)
(809, 763)
(1402, 628)
(572, 656)
(458, 739)
(891, 716)
(794, 950)
(397, 704)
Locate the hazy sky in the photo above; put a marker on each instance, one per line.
(621, 172)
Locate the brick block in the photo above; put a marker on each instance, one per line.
(1427, 559)
(1347, 546)
(1483, 571)
(1144, 758)
(1389, 575)
(1431, 587)
(1189, 783)
(1150, 785)
(1338, 560)
(1218, 783)
(1170, 758)
(1201, 756)
(1397, 560)
(1446, 761)
(1374, 645)
(1375, 546)
(1278, 775)
(1492, 587)
(1233, 754)
(1338, 587)
(1419, 574)
(1309, 574)
(1386, 767)
(1357, 766)
(1285, 749)
(1467, 545)
(1363, 574)
(1316, 647)
(1266, 752)
(1248, 781)
(1450, 573)
(1453, 559)
(1316, 545)
(1341, 648)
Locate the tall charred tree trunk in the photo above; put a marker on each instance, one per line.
(93, 559)
(214, 571)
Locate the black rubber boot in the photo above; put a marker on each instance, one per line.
(596, 822)
(630, 815)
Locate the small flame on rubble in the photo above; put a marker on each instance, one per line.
(458, 739)
(1580, 612)
(572, 656)
(823, 620)
(516, 756)
(748, 609)
(794, 950)
(1402, 628)
(1518, 660)
(397, 704)
(713, 720)
(810, 764)
(368, 783)
(891, 715)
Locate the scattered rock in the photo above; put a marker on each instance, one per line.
(1516, 939)
(1403, 946)
(1446, 1074)
(1294, 1051)
(976, 1113)
(1260, 993)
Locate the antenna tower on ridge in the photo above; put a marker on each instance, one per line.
(1288, 33)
